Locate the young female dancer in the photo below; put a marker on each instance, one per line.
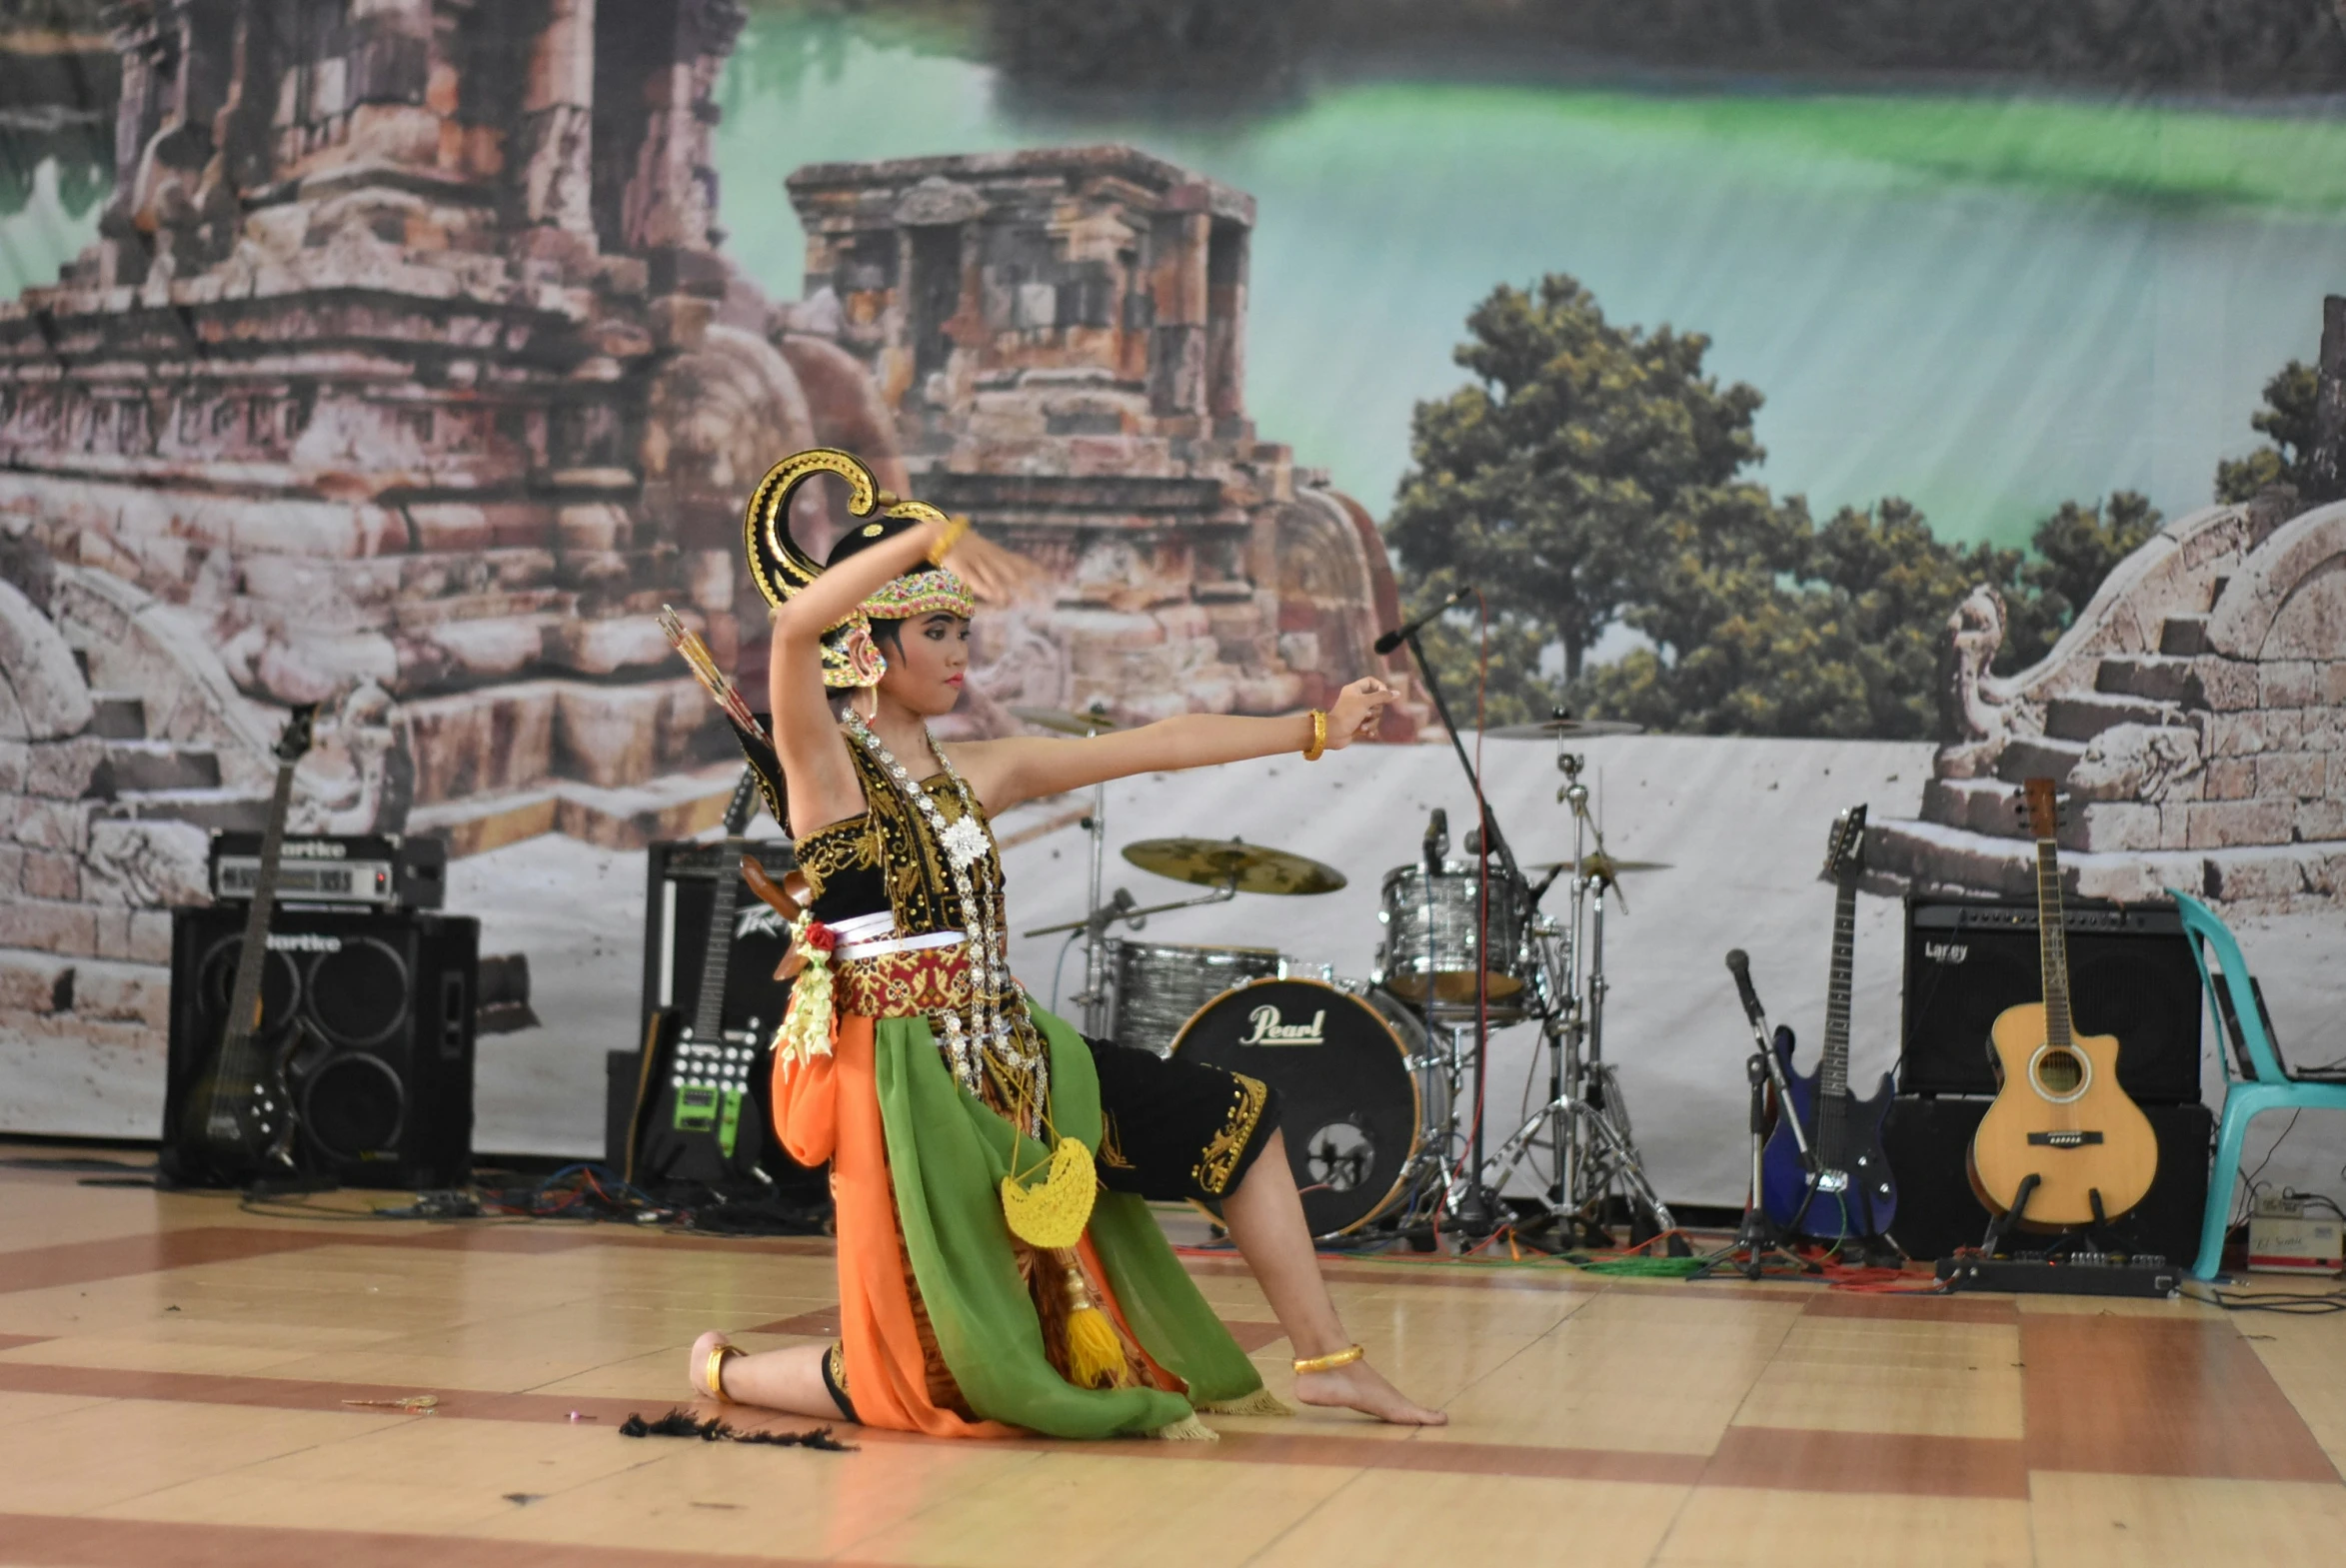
(970, 1304)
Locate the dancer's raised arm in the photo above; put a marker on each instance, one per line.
(815, 766)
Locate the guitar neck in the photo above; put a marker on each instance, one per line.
(244, 999)
(2052, 942)
(1832, 1072)
(717, 955)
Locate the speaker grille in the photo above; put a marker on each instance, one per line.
(281, 984)
(359, 994)
(353, 1106)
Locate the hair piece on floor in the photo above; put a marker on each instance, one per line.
(682, 1423)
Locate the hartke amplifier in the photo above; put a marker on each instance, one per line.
(704, 1114)
(2130, 974)
(1927, 1142)
(382, 1078)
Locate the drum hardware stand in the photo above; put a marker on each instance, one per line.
(1585, 1118)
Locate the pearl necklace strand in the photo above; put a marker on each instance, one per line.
(986, 1028)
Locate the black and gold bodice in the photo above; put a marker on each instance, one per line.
(897, 858)
(887, 857)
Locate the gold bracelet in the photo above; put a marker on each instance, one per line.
(1330, 1362)
(713, 1373)
(955, 528)
(1319, 737)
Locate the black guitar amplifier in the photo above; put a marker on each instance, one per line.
(2130, 974)
(699, 1112)
(382, 1003)
(1928, 1141)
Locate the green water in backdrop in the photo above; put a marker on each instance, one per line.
(1984, 304)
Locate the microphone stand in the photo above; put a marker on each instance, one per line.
(1472, 1204)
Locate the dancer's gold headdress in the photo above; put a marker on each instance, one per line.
(781, 567)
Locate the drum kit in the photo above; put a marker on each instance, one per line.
(1381, 1078)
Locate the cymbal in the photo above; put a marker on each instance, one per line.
(1605, 865)
(1058, 719)
(1216, 862)
(1563, 730)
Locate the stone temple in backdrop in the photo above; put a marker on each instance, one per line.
(2193, 718)
(408, 375)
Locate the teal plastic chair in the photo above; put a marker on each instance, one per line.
(2267, 1083)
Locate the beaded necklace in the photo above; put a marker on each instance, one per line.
(992, 1035)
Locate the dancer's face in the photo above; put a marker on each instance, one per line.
(927, 664)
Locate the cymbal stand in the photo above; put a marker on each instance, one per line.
(1586, 1120)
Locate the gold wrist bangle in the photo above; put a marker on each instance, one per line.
(955, 528)
(1330, 1362)
(1319, 737)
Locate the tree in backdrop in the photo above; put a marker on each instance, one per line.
(1546, 481)
(1592, 475)
(2288, 417)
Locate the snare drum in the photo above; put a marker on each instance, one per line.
(1156, 986)
(1364, 1110)
(1431, 928)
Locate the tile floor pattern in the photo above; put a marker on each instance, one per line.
(175, 1378)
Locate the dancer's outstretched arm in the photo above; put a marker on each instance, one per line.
(1004, 772)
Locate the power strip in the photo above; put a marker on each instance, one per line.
(2070, 1274)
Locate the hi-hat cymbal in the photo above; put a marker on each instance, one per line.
(1218, 863)
(1605, 865)
(1563, 730)
(1058, 719)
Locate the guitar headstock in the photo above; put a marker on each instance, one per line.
(1846, 850)
(2041, 808)
(294, 743)
(743, 805)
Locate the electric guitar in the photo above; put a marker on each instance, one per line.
(1849, 1192)
(705, 1070)
(2059, 1116)
(237, 1120)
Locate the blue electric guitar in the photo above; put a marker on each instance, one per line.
(1849, 1192)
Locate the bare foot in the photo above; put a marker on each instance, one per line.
(1359, 1386)
(696, 1364)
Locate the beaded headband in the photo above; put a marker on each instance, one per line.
(781, 567)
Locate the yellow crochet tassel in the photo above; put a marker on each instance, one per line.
(1096, 1358)
(1051, 1213)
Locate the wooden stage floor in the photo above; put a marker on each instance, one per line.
(175, 1378)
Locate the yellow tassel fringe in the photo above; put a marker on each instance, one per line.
(1095, 1357)
(1261, 1402)
(1187, 1429)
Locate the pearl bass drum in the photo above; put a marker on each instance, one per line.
(1363, 1105)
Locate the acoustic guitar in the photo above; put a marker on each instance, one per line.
(1849, 1192)
(237, 1120)
(2059, 1115)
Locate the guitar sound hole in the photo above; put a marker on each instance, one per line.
(2059, 1072)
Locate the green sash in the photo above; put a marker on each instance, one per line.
(946, 1155)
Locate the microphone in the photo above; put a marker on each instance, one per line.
(1395, 637)
(1739, 964)
(1437, 841)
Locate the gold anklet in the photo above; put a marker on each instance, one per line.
(1330, 1362)
(713, 1373)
